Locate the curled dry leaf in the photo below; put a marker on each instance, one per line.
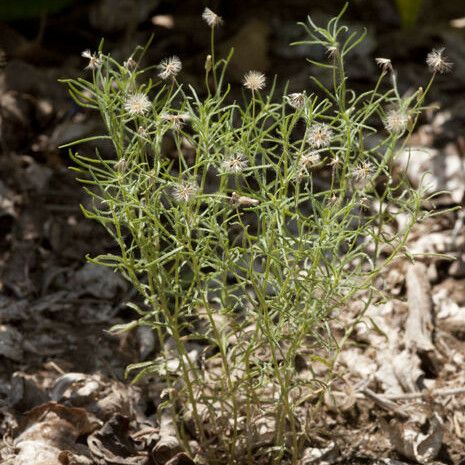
(358, 363)
(99, 395)
(168, 445)
(315, 455)
(50, 430)
(340, 400)
(450, 315)
(112, 444)
(409, 440)
(419, 324)
(434, 170)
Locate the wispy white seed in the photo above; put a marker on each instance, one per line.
(137, 104)
(211, 18)
(170, 67)
(184, 191)
(437, 62)
(297, 100)
(319, 135)
(254, 80)
(396, 121)
(94, 60)
(234, 164)
(384, 63)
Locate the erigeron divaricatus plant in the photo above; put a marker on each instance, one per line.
(247, 237)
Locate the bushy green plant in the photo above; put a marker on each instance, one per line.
(257, 227)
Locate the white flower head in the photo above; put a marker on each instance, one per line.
(184, 191)
(384, 63)
(94, 60)
(137, 104)
(170, 67)
(297, 100)
(234, 164)
(254, 80)
(396, 121)
(319, 135)
(437, 62)
(211, 18)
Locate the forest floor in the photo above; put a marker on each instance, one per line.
(399, 390)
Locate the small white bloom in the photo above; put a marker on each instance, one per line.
(384, 63)
(185, 191)
(437, 63)
(137, 104)
(297, 100)
(254, 80)
(169, 67)
(396, 121)
(234, 164)
(319, 135)
(211, 18)
(94, 61)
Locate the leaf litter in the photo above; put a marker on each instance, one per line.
(398, 394)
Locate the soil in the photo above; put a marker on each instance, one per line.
(64, 397)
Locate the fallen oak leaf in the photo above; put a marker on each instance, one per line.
(112, 444)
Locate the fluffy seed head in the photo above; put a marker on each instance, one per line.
(254, 80)
(306, 162)
(94, 61)
(185, 191)
(297, 100)
(438, 63)
(310, 159)
(319, 136)
(234, 164)
(137, 104)
(169, 67)
(211, 18)
(396, 121)
(362, 173)
(177, 121)
(384, 63)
